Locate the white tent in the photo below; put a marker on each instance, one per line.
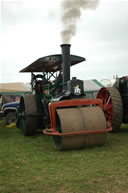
(10, 92)
(16, 87)
(92, 85)
(91, 88)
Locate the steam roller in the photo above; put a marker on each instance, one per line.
(58, 105)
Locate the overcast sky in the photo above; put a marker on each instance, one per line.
(31, 29)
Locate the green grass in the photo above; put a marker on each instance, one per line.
(33, 165)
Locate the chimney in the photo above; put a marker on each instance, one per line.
(65, 64)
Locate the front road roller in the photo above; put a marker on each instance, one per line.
(77, 123)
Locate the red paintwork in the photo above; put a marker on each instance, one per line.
(69, 103)
(104, 95)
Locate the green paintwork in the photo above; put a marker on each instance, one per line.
(22, 116)
(98, 83)
(14, 93)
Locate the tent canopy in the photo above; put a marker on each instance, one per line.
(14, 88)
(92, 85)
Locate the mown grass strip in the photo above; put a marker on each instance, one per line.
(32, 164)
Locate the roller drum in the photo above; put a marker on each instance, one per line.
(79, 119)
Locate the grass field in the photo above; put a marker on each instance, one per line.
(33, 165)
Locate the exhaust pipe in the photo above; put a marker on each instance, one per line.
(66, 62)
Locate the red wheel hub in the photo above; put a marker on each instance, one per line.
(105, 96)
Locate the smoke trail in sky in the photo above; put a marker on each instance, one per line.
(71, 12)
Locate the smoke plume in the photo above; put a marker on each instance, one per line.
(71, 12)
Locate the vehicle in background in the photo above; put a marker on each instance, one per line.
(10, 94)
(9, 112)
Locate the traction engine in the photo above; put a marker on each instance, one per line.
(58, 105)
(115, 102)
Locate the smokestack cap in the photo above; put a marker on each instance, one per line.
(63, 45)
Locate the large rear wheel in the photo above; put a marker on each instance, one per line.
(27, 115)
(113, 107)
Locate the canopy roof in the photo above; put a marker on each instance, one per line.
(51, 63)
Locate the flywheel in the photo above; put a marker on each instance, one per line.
(113, 107)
